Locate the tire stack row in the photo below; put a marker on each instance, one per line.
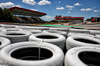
(25, 50)
(36, 46)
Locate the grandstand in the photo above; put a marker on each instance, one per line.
(68, 18)
(27, 16)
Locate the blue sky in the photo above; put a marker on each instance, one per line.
(74, 8)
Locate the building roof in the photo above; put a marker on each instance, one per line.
(69, 17)
(25, 12)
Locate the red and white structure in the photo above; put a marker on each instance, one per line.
(69, 19)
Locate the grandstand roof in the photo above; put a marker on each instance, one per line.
(25, 12)
(69, 17)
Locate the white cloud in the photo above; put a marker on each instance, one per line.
(17, 5)
(59, 1)
(44, 2)
(31, 2)
(82, 9)
(47, 18)
(68, 11)
(96, 10)
(34, 9)
(8, 5)
(70, 7)
(60, 8)
(77, 4)
(88, 9)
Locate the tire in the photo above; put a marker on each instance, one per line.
(4, 42)
(8, 26)
(55, 31)
(35, 31)
(16, 36)
(56, 39)
(79, 31)
(97, 36)
(83, 56)
(40, 28)
(51, 55)
(12, 29)
(84, 34)
(79, 40)
(94, 32)
(60, 29)
(2, 30)
(33, 28)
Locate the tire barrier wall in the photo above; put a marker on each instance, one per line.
(26, 54)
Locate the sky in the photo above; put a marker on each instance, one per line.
(74, 8)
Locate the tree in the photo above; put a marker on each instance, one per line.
(8, 15)
(54, 21)
(1, 14)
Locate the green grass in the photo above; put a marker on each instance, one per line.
(60, 25)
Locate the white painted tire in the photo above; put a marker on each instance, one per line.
(79, 40)
(84, 34)
(2, 30)
(55, 59)
(16, 36)
(4, 42)
(8, 26)
(97, 36)
(59, 29)
(33, 28)
(83, 56)
(35, 31)
(55, 31)
(56, 39)
(79, 30)
(94, 32)
(12, 29)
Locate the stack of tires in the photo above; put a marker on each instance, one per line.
(83, 50)
(83, 32)
(83, 56)
(3, 42)
(79, 40)
(56, 31)
(59, 29)
(19, 51)
(36, 46)
(27, 54)
(16, 36)
(53, 38)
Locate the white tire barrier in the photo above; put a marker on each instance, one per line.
(33, 28)
(8, 26)
(94, 32)
(83, 56)
(35, 31)
(2, 30)
(56, 39)
(79, 40)
(16, 36)
(74, 34)
(79, 30)
(27, 54)
(59, 29)
(12, 29)
(4, 42)
(55, 31)
(97, 36)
